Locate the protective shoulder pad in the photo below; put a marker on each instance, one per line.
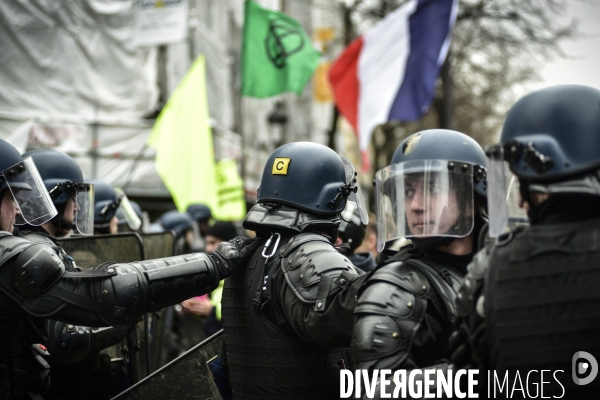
(402, 275)
(306, 259)
(10, 246)
(37, 268)
(37, 237)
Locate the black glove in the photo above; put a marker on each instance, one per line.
(229, 255)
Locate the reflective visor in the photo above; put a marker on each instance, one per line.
(355, 197)
(424, 198)
(84, 211)
(29, 191)
(503, 195)
(131, 216)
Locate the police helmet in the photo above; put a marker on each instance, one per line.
(553, 133)
(199, 212)
(550, 143)
(106, 203)
(176, 221)
(428, 192)
(310, 177)
(21, 177)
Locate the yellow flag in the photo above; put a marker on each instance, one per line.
(231, 204)
(183, 141)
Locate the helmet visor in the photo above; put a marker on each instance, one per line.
(503, 195)
(29, 191)
(424, 198)
(134, 222)
(356, 200)
(84, 211)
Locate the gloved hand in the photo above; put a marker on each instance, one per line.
(230, 255)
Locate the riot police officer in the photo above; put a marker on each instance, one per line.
(35, 282)
(288, 312)
(433, 193)
(73, 349)
(538, 308)
(107, 201)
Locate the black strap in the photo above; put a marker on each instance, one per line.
(228, 302)
(85, 302)
(322, 293)
(90, 273)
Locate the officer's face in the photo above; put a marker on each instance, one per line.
(70, 208)
(429, 210)
(8, 212)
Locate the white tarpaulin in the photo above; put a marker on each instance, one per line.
(74, 58)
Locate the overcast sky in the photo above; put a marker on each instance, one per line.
(583, 67)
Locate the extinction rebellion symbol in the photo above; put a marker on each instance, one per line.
(283, 40)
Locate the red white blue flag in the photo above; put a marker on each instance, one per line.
(389, 72)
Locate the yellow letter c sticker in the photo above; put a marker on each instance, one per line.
(280, 166)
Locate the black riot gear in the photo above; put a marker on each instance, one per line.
(36, 282)
(287, 313)
(405, 310)
(530, 303)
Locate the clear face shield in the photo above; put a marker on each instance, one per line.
(30, 194)
(134, 222)
(504, 197)
(84, 210)
(356, 201)
(424, 198)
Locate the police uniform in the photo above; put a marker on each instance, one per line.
(287, 313)
(529, 303)
(35, 282)
(406, 309)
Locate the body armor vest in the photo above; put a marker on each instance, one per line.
(265, 362)
(542, 302)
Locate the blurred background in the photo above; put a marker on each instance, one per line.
(89, 77)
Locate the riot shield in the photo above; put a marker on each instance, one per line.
(189, 376)
(158, 244)
(91, 251)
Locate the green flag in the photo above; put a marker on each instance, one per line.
(277, 55)
(182, 138)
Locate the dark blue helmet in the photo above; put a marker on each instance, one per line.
(59, 171)
(9, 156)
(307, 176)
(553, 133)
(106, 202)
(445, 144)
(176, 221)
(199, 212)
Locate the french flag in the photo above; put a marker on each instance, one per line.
(389, 73)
